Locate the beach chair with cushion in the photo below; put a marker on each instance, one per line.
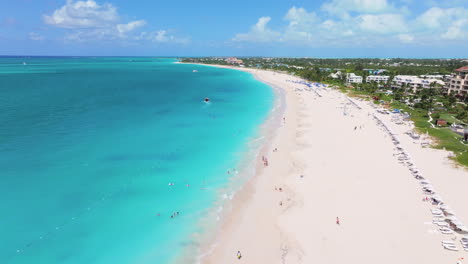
(450, 247)
(446, 230)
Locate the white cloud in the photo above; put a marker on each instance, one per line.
(94, 35)
(35, 36)
(301, 24)
(382, 24)
(454, 33)
(448, 23)
(336, 29)
(365, 25)
(457, 30)
(259, 32)
(406, 38)
(161, 36)
(341, 8)
(437, 17)
(300, 16)
(432, 17)
(83, 14)
(124, 28)
(89, 20)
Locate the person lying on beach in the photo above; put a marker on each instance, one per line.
(239, 255)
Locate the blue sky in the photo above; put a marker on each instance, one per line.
(326, 28)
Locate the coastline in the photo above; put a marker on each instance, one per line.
(376, 198)
(240, 206)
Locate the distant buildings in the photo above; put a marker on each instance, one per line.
(414, 82)
(439, 76)
(353, 78)
(458, 82)
(297, 67)
(233, 60)
(377, 78)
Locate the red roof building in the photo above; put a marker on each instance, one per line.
(462, 69)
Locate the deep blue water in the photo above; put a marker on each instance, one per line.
(88, 147)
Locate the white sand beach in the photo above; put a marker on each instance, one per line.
(334, 160)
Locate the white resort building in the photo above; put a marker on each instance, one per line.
(414, 82)
(353, 78)
(377, 78)
(438, 76)
(458, 82)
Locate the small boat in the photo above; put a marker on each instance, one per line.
(194, 71)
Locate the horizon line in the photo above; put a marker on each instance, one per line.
(226, 56)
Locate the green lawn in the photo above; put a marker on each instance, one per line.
(449, 117)
(445, 137)
(418, 116)
(451, 141)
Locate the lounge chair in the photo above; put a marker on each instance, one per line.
(448, 242)
(450, 247)
(446, 230)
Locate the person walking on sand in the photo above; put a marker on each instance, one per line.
(337, 220)
(239, 255)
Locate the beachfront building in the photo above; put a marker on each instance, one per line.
(377, 78)
(435, 76)
(432, 83)
(414, 82)
(353, 78)
(458, 82)
(233, 60)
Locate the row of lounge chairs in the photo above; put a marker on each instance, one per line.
(464, 242)
(450, 245)
(443, 217)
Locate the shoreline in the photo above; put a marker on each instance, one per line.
(238, 189)
(302, 229)
(239, 204)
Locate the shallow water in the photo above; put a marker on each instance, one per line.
(89, 146)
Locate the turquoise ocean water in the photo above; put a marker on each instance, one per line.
(96, 154)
